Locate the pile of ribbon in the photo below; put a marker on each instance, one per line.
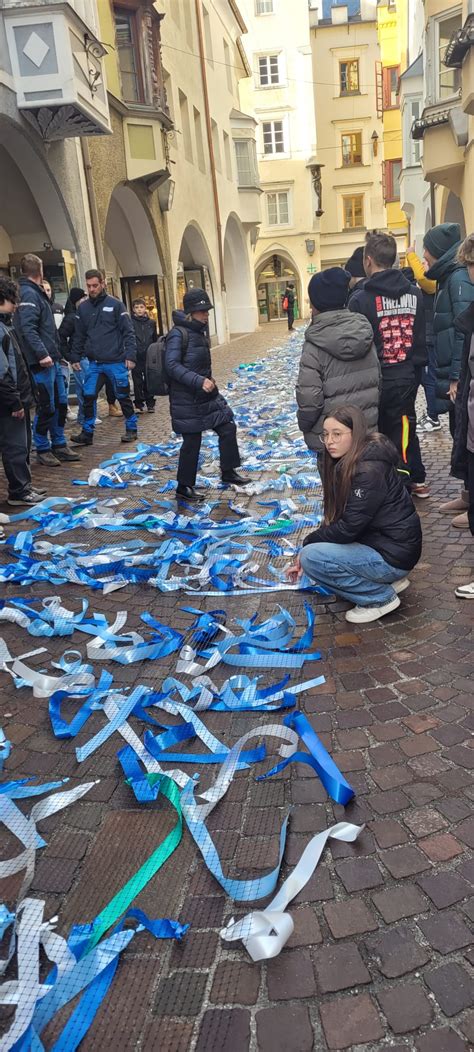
(201, 554)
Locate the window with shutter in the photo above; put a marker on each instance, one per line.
(391, 77)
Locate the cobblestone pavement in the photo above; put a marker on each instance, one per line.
(382, 951)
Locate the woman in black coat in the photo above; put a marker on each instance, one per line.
(370, 536)
(462, 463)
(195, 402)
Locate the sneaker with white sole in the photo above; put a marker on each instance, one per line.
(399, 586)
(420, 424)
(361, 615)
(465, 591)
(432, 425)
(420, 489)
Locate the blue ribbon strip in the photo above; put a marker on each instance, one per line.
(319, 759)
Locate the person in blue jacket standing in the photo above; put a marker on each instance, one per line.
(36, 331)
(104, 334)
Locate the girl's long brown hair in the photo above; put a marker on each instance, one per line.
(337, 474)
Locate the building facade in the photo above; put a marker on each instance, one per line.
(279, 94)
(345, 54)
(446, 125)
(414, 190)
(393, 42)
(52, 95)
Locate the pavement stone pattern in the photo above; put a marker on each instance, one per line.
(382, 953)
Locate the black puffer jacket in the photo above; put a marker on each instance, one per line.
(379, 511)
(192, 409)
(464, 325)
(145, 333)
(455, 293)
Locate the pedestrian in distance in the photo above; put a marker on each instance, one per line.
(454, 295)
(145, 334)
(370, 537)
(104, 334)
(37, 334)
(395, 310)
(288, 304)
(195, 402)
(462, 464)
(16, 399)
(339, 362)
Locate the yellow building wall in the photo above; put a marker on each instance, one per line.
(107, 33)
(392, 34)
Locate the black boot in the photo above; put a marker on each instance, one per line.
(84, 439)
(129, 436)
(189, 493)
(63, 453)
(231, 478)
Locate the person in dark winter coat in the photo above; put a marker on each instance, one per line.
(339, 363)
(454, 294)
(371, 534)
(145, 333)
(104, 334)
(15, 401)
(37, 334)
(462, 463)
(195, 402)
(289, 296)
(394, 308)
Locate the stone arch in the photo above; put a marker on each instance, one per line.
(133, 254)
(270, 285)
(198, 268)
(240, 296)
(453, 211)
(35, 213)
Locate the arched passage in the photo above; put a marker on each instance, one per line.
(195, 270)
(454, 212)
(273, 271)
(240, 295)
(34, 217)
(132, 257)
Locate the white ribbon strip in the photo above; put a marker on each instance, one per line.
(265, 932)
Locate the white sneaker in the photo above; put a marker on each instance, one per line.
(98, 420)
(432, 425)
(420, 424)
(399, 586)
(361, 615)
(465, 591)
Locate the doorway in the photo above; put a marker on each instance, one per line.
(272, 280)
(149, 288)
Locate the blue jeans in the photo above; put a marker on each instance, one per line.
(80, 379)
(96, 376)
(51, 400)
(353, 571)
(429, 384)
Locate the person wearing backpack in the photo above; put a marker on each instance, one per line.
(195, 402)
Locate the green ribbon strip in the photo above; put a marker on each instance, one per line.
(123, 899)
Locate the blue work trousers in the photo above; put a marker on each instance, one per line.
(51, 407)
(96, 376)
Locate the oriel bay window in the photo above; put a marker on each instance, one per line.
(128, 50)
(138, 44)
(353, 211)
(351, 143)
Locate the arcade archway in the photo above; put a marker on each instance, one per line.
(272, 274)
(133, 261)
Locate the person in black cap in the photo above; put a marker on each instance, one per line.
(195, 402)
(339, 363)
(355, 267)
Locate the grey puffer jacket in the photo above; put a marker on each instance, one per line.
(339, 366)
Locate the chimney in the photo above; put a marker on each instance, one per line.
(339, 14)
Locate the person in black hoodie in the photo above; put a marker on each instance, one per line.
(395, 310)
(289, 297)
(16, 399)
(370, 536)
(145, 333)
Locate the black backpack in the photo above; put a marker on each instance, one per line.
(155, 371)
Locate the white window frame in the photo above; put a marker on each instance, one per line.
(434, 58)
(412, 149)
(267, 57)
(354, 193)
(269, 156)
(252, 167)
(276, 191)
(270, 4)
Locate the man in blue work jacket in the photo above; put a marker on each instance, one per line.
(104, 334)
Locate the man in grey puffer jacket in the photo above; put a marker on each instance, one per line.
(339, 364)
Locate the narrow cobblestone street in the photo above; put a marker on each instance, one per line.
(381, 957)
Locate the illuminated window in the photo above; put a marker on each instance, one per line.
(351, 148)
(349, 77)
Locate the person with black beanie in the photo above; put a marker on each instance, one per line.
(355, 267)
